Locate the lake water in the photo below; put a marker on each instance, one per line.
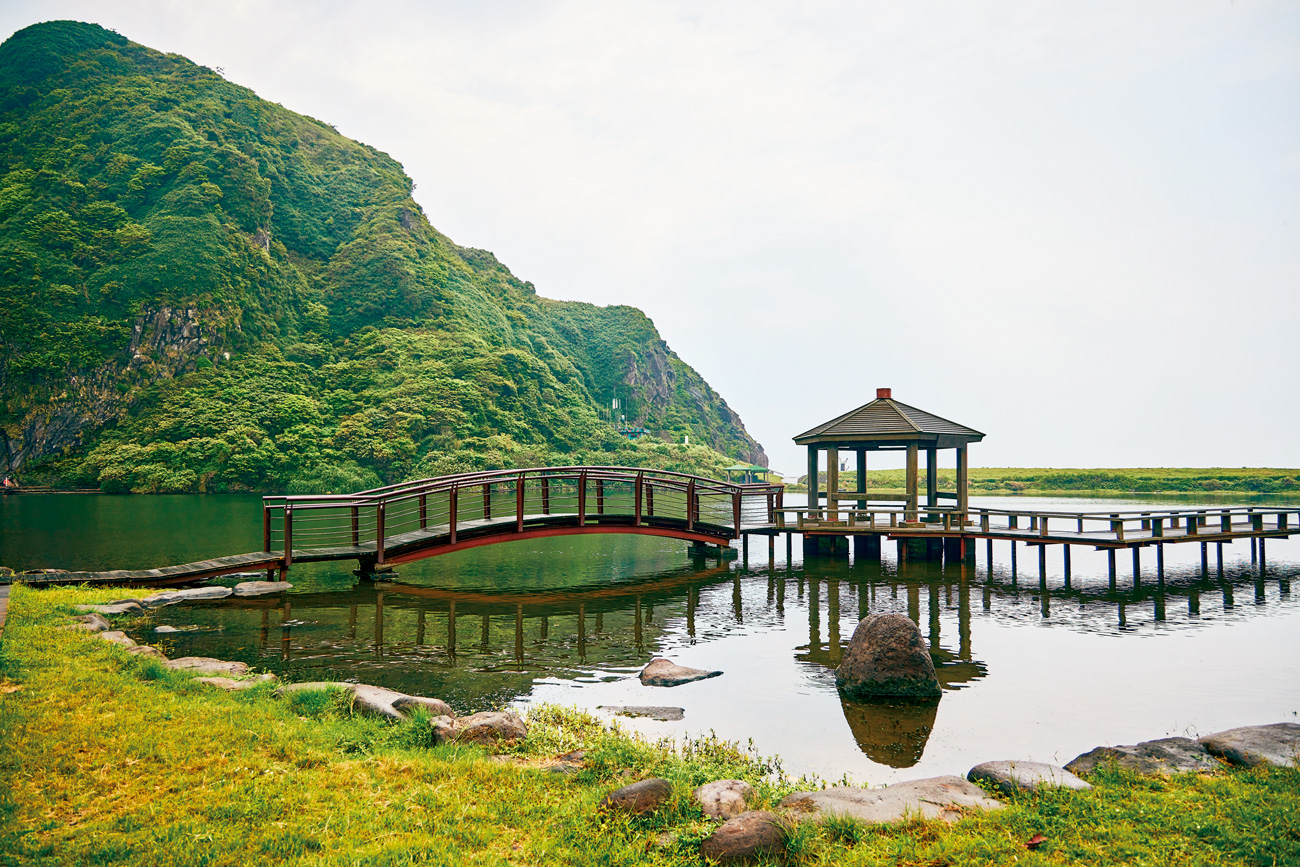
(1031, 670)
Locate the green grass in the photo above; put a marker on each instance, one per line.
(112, 759)
(1044, 480)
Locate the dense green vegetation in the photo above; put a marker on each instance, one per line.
(1159, 480)
(200, 290)
(111, 759)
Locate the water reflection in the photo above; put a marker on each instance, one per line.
(478, 647)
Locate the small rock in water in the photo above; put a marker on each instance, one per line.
(888, 656)
(1254, 746)
(664, 672)
(946, 798)
(724, 799)
(638, 798)
(116, 638)
(1007, 776)
(1166, 756)
(164, 629)
(261, 588)
(207, 665)
(746, 837)
(666, 714)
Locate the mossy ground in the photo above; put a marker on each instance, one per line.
(112, 759)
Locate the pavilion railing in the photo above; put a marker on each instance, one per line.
(502, 502)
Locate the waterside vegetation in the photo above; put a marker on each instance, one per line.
(1152, 480)
(112, 759)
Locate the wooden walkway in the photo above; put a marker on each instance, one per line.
(414, 520)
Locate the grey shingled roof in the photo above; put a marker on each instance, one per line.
(888, 419)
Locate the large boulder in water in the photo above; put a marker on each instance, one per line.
(887, 656)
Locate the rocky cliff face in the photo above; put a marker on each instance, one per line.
(164, 344)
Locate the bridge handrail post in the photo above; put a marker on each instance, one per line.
(487, 500)
(519, 504)
(451, 509)
(1042, 526)
(356, 525)
(424, 511)
(288, 535)
(984, 520)
(266, 527)
(640, 490)
(735, 512)
(582, 498)
(546, 494)
(379, 532)
(690, 505)
(600, 496)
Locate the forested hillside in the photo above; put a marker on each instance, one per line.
(201, 290)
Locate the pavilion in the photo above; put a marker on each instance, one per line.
(886, 424)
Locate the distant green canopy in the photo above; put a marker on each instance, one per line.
(747, 472)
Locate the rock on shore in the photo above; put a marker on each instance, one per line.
(946, 798)
(1165, 756)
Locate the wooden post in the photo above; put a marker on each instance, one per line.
(379, 533)
(1261, 557)
(1160, 561)
(690, 505)
(266, 528)
(356, 526)
(650, 500)
(814, 486)
(519, 504)
(546, 495)
(1205, 558)
(288, 535)
(860, 456)
(451, 499)
(989, 557)
(1013, 558)
(912, 456)
(1110, 560)
(1042, 563)
(600, 496)
(832, 483)
(1066, 560)
(963, 482)
(582, 498)
(931, 478)
(1137, 565)
(640, 489)
(735, 512)
(424, 511)
(487, 501)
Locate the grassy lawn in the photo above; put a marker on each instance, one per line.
(112, 759)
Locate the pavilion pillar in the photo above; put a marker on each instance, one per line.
(963, 480)
(931, 478)
(813, 486)
(832, 483)
(861, 455)
(909, 513)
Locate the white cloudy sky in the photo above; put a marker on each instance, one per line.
(1074, 226)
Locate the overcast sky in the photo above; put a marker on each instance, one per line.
(1073, 226)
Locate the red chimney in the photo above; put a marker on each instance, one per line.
(882, 393)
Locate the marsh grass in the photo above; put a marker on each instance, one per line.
(113, 759)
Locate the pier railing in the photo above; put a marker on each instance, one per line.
(447, 511)
(1147, 525)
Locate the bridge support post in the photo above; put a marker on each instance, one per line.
(1110, 563)
(1205, 559)
(866, 548)
(1066, 562)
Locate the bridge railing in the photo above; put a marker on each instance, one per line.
(491, 502)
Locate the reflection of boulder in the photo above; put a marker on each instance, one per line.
(891, 733)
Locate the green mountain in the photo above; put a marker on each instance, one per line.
(201, 290)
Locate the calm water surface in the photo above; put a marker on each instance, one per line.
(1030, 669)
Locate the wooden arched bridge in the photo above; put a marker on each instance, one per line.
(413, 520)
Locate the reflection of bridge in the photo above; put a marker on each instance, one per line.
(413, 520)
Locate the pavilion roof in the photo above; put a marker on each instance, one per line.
(886, 421)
